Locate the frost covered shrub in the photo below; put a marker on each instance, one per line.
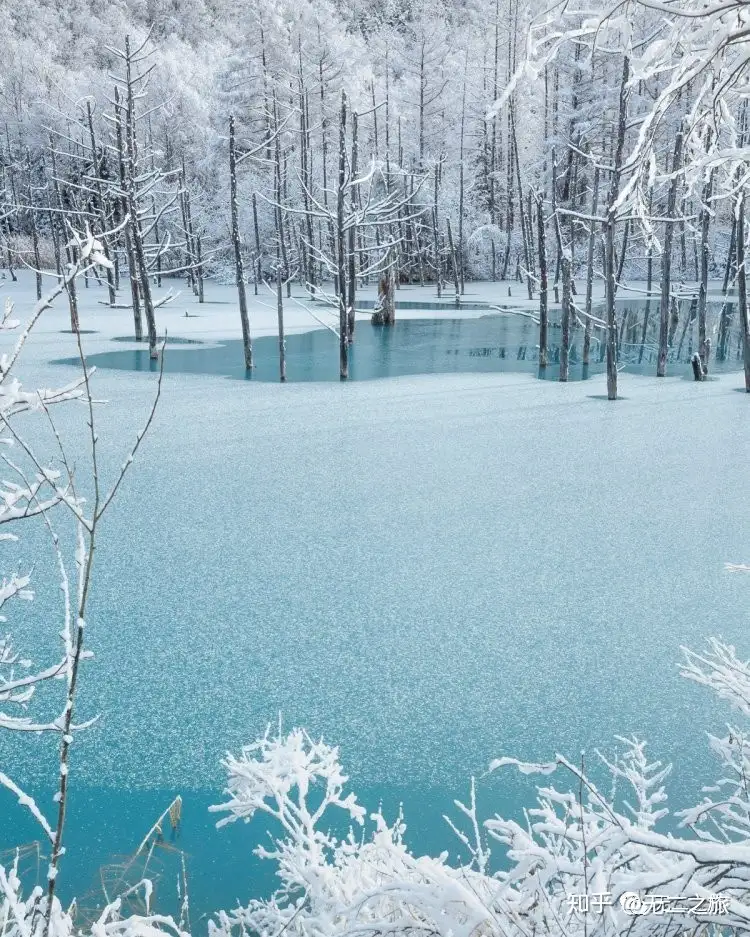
(578, 842)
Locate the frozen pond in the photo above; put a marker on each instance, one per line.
(500, 342)
(431, 571)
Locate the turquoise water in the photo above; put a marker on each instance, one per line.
(430, 572)
(414, 346)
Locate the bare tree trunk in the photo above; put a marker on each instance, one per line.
(385, 311)
(461, 178)
(34, 230)
(565, 316)
(438, 265)
(69, 252)
(132, 270)
(742, 288)
(258, 271)
(157, 240)
(610, 237)
(306, 175)
(280, 315)
(590, 268)
(542, 281)
(525, 229)
(352, 280)
(56, 240)
(623, 252)
(666, 262)
(239, 275)
(731, 256)
(454, 263)
(563, 260)
(193, 250)
(199, 267)
(101, 202)
(186, 228)
(704, 255)
(340, 246)
(649, 283)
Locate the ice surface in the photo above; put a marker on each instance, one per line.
(431, 571)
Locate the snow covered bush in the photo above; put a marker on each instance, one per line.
(616, 850)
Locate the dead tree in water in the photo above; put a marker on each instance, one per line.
(590, 267)
(101, 199)
(280, 315)
(134, 87)
(666, 262)
(340, 247)
(705, 250)
(70, 282)
(649, 283)
(543, 281)
(742, 287)
(239, 275)
(129, 252)
(352, 267)
(454, 263)
(385, 311)
(31, 212)
(563, 254)
(614, 190)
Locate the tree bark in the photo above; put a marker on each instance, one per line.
(590, 269)
(610, 237)
(340, 246)
(742, 288)
(704, 256)
(542, 281)
(385, 312)
(666, 263)
(280, 315)
(454, 263)
(239, 275)
(352, 257)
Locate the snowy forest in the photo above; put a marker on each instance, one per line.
(349, 145)
(303, 302)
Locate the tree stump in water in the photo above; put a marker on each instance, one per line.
(385, 311)
(697, 367)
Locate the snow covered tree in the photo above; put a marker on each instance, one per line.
(36, 488)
